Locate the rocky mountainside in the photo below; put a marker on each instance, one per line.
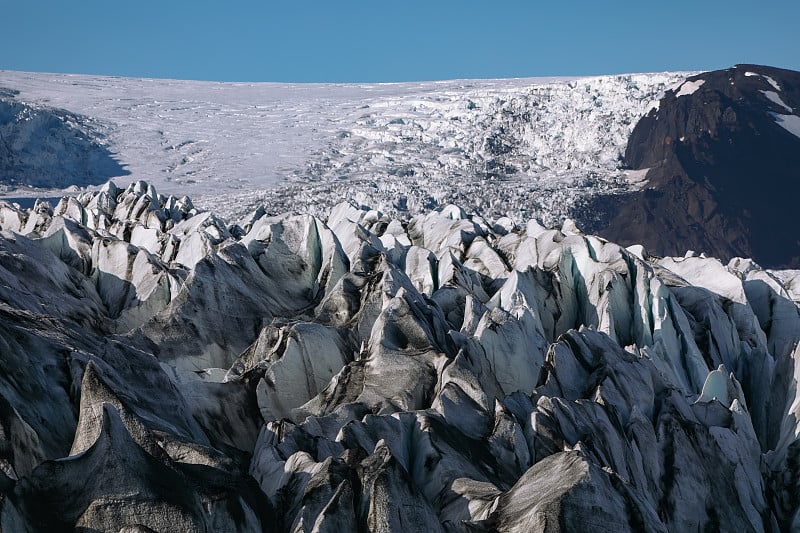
(722, 154)
(163, 370)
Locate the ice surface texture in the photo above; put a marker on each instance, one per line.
(165, 370)
(526, 147)
(51, 148)
(708, 163)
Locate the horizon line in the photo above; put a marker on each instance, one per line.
(553, 77)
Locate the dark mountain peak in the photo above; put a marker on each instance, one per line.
(723, 153)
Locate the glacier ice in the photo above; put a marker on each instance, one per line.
(165, 368)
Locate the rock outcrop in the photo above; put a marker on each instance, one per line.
(722, 157)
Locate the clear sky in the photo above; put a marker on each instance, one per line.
(379, 40)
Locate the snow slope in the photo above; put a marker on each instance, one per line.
(43, 147)
(534, 145)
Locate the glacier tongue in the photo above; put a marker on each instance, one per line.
(535, 147)
(165, 369)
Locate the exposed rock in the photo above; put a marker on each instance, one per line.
(722, 165)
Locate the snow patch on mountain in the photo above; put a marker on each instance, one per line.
(773, 83)
(637, 178)
(769, 79)
(689, 87)
(772, 96)
(790, 123)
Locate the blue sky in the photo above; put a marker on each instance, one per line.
(340, 41)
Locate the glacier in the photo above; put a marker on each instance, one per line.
(526, 148)
(168, 368)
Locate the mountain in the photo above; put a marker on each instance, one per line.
(164, 370)
(722, 156)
